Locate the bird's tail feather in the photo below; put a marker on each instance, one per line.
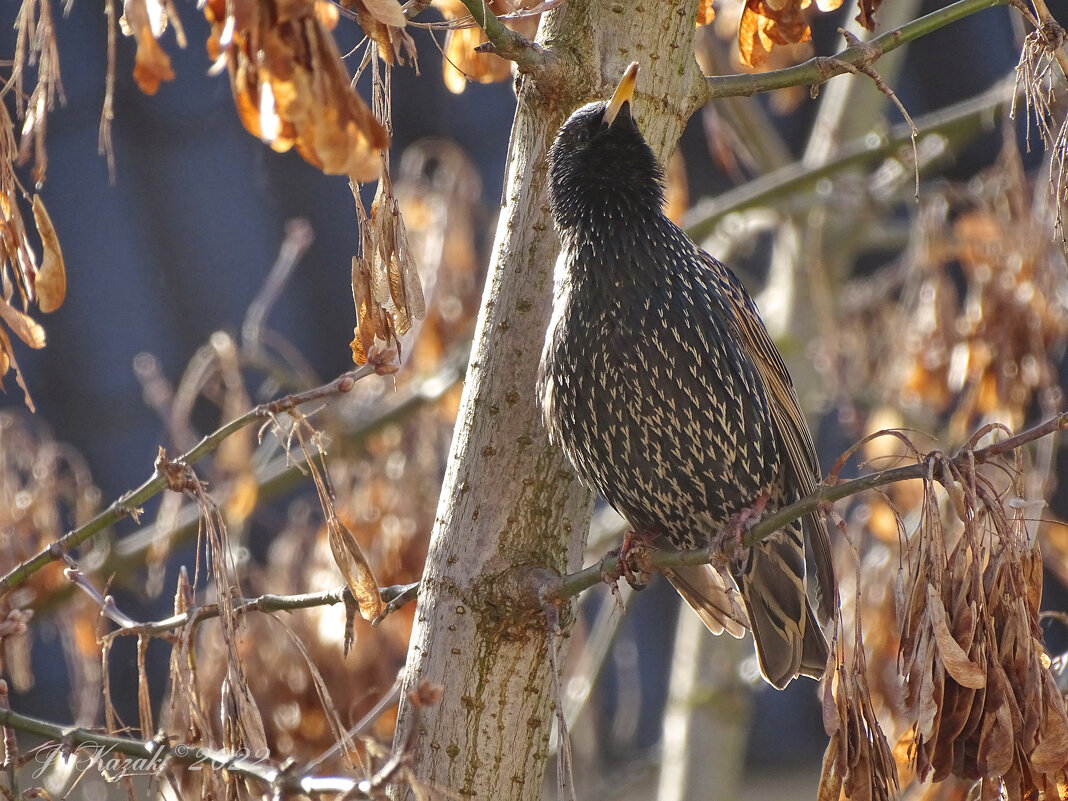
(714, 601)
(789, 641)
(820, 566)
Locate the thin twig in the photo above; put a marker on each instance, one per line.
(129, 504)
(821, 69)
(882, 86)
(702, 219)
(395, 596)
(608, 568)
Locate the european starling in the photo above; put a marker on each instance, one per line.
(662, 386)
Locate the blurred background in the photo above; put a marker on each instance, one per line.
(938, 315)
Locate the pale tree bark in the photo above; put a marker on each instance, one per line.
(706, 723)
(510, 500)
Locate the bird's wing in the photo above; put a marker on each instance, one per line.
(717, 604)
(790, 421)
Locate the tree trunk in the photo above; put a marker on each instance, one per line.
(706, 723)
(508, 498)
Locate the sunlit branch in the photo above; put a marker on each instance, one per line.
(395, 596)
(608, 567)
(821, 69)
(129, 504)
(949, 122)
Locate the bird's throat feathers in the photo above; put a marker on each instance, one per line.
(603, 198)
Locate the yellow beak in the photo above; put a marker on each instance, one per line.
(624, 92)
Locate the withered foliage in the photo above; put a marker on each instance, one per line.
(962, 330)
(976, 308)
(386, 286)
(24, 281)
(858, 763)
(958, 671)
(291, 87)
(462, 62)
(382, 487)
(767, 23)
(45, 488)
(979, 700)
(384, 481)
(252, 682)
(146, 21)
(1039, 73)
(384, 22)
(706, 12)
(385, 282)
(866, 14)
(764, 25)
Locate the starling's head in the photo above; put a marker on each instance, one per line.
(600, 165)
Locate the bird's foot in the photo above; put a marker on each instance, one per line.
(634, 542)
(731, 540)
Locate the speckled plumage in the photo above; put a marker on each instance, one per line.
(662, 386)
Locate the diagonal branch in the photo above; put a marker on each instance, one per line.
(394, 596)
(821, 69)
(952, 122)
(546, 587)
(129, 504)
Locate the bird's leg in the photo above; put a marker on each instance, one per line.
(731, 539)
(631, 540)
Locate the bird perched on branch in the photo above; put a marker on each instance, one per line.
(662, 386)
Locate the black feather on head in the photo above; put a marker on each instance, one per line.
(600, 164)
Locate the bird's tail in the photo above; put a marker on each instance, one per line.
(789, 641)
(714, 601)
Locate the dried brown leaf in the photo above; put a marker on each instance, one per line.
(866, 15)
(146, 24)
(995, 754)
(363, 298)
(462, 63)
(764, 25)
(291, 88)
(152, 66)
(327, 13)
(51, 281)
(957, 663)
(388, 12)
(372, 320)
(354, 567)
(376, 29)
(1032, 569)
(395, 279)
(958, 702)
(386, 288)
(22, 325)
(7, 362)
(926, 707)
(1051, 753)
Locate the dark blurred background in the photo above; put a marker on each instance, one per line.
(182, 241)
